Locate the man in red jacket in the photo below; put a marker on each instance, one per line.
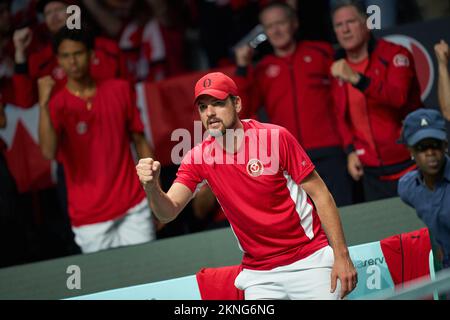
(376, 88)
(107, 62)
(294, 86)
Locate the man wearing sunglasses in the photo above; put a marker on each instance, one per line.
(427, 189)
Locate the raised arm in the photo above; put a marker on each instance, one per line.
(142, 147)
(165, 206)
(48, 140)
(442, 54)
(326, 209)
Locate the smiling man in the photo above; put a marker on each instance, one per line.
(427, 189)
(276, 213)
(376, 88)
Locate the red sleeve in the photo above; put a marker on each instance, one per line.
(56, 115)
(340, 107)
(395, 89)
(25, 91)
(57, 119)
(188, 173)
(293, 158)
(134, 121)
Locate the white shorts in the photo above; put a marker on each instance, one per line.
(135, 227)
(306, 279)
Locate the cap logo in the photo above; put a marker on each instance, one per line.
(207, 83)
(424, 122)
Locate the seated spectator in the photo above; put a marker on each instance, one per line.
(442, 55)
(376, 88)
(88, 126)
(106, 62)
(427, 189)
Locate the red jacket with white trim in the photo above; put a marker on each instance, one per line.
(392, 90)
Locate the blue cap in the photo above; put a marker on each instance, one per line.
(423, 124)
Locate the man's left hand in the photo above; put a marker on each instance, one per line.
(341, 70)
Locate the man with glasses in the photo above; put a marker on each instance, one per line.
(293, 85)
(427, 189)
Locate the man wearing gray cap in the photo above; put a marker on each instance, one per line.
(427, 189)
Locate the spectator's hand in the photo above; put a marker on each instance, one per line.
(22, 39)
(354, 166)
(344, 270)
(341, 70)
(442, 54)
(244, 55)
(148, 172)
(45, 87)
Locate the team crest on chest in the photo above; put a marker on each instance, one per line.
(273, 71)
(82, 127)
(255, 168)
(58, 73)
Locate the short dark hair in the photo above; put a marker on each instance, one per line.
(357, 4)
(79, 35)
(290, 12)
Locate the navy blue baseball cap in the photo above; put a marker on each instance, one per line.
(423, 124)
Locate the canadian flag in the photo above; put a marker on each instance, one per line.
(28, 166)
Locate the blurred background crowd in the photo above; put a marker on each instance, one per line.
(153, 41)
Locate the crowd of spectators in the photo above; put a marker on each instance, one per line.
(153, 40)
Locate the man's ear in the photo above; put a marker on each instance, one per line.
(238, 104)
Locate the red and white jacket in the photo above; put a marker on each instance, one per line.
(391, 88)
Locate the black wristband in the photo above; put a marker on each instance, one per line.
(349, 149)
(363, 82)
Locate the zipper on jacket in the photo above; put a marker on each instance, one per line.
(294, 97)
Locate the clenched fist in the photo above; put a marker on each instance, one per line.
(442, 53)
(341, 70)
(45, 87)
(22, 39)
(148, 171)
